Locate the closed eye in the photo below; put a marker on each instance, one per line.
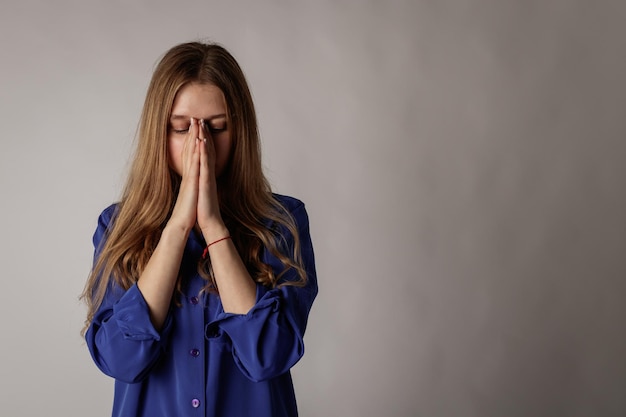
(217, 129)
(217, 126)
(179, 131)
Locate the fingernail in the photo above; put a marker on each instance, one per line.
(192, 121)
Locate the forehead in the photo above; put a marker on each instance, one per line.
(200, 101)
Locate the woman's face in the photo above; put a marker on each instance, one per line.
(200, 101)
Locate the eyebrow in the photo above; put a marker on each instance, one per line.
(207, 119)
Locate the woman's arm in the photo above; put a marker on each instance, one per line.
(159, 276)
(158, 279)
(236, 287)
(121, 338)
(130, 329)
(268, 340)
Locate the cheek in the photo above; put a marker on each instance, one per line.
(223, 147)
(174, 150)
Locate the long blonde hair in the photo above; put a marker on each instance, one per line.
(246, 201)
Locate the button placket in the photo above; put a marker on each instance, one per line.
(194, 300)
(194, 348)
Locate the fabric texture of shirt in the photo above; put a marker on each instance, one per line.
(204, 361)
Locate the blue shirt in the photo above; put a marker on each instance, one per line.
(205, 362)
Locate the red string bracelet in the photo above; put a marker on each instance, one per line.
(206, 250)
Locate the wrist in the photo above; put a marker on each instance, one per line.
(175, 230)
(214, 231)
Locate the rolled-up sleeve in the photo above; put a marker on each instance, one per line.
(121, 338)
(268, 340)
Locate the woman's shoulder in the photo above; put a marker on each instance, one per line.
(291, 204)
(109, 212)
(105, 221)
(294, 208)
(107, 215)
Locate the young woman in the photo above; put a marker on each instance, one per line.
(203, 279)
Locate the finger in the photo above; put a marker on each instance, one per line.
(202, 131)
(206, 147)
(206, 140)
(194, 169)
(190, 145)
(206, 195)
(204, 168)
(193, 128)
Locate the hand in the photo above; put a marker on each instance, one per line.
(185, 209)
(208, 210)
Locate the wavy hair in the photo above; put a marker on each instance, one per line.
(245, 196)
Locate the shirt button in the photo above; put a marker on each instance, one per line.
(195, 403)
(194, 300)
(194, 352)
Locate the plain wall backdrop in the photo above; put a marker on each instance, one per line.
(462, 162)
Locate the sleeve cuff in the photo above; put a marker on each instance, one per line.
(132, 315)
(264, 341)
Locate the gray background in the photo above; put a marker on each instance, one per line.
(463, 163)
